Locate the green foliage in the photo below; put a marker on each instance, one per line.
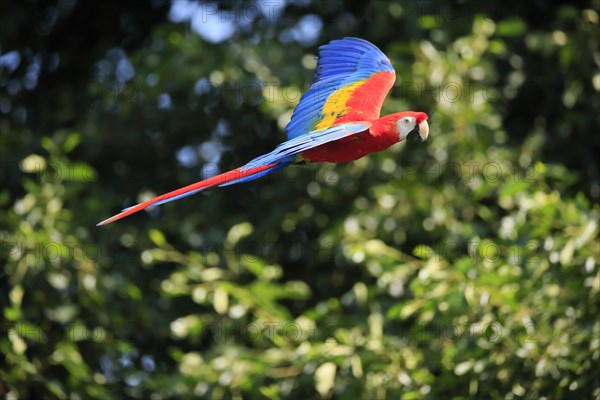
(463, 267)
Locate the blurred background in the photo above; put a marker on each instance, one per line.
(462, 267)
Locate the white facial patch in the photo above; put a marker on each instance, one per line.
(405, 126)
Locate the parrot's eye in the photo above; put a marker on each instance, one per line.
(407, 121)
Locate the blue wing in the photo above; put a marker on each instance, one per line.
(341, 63)
(283, 155)
(286, 150)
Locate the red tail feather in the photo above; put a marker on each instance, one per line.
(205, 184)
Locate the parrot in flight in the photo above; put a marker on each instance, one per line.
(336, 120)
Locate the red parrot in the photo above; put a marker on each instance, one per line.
(336, 120)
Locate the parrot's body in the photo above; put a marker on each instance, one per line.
(337, 119)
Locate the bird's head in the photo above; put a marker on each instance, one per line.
(412, 125)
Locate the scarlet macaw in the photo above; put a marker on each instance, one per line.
(337, 119)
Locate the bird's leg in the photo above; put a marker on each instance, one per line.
(302, 163)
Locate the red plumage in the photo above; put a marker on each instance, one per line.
(379, 137)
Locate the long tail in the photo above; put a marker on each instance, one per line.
(237, 175)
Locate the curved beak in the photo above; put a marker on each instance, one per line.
(423, 129)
